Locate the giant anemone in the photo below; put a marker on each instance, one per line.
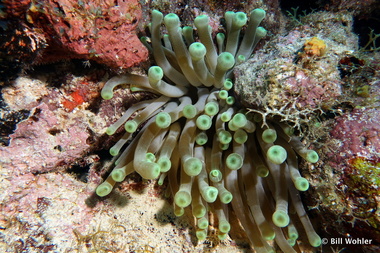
(217, 157)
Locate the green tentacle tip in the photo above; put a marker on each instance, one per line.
(199, 211)
(292, 232)
(201, 235)
(104, 189)
(114, 151)
(215, 175)
(201, 138)
(268, 234)
(280, 218)
(301, 184)
(240, 136)
(179, 211)
(291, 242)
(225, 117)
(228, 84)
(204, 122)
(136, 89)
(288, 130)
(130, 126)
(110, 130)
(157, 12)
(161, 181)
(224, 146)
(240, 59)
(261, 32)
(224, 137)
(224, 226)
(269, 135)
(239, 120)
(222, 236)
(189, 111)
(277, 154)
(201, 20)
(182, 199)
(163, 120)
(240, 19)
(220, 37)
(210, 194)
(171, 20)
(225, 61)
(187, 30)
(164, 163)
(197, 51)
(262, 171)
(193, 166)
(149, 170)
(150, 157)
(229, 15)
(202, 223)
(155, 73)
(106, 93)
(118, 175)
(223, 94)
(315, 240)
(211, 108)
(230, 100)
(258, 14)
(226, 197)
(144, 39)
(312, 156)
(234, 161)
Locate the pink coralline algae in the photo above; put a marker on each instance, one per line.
(59, 130)
(310, 92)
(357, 134)
(349, 181)
(40, 144)
(39, 212)
(103, 31)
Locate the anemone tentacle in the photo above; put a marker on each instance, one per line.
(213, 152)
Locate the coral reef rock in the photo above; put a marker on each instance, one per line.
(286, 78)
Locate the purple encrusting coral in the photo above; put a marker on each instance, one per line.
(34, 223)
(54, 136)
(357, 134)
(347, 182)
(38, 145)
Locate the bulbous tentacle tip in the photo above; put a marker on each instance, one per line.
(258, 14)
(171, 20)
(276, 154)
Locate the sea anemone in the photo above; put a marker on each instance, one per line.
(217, 156)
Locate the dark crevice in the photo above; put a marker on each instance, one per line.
(303, 7)
(79, 172)
(8, 124)
(364, 25)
